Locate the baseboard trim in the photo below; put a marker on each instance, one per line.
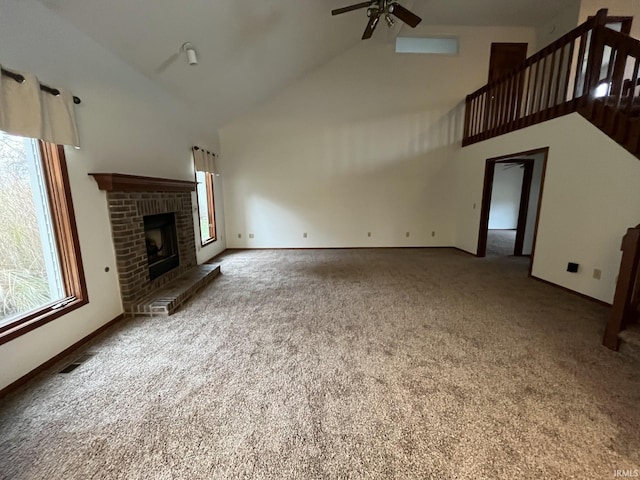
(581, 295)
(240, 249)
(49, 363)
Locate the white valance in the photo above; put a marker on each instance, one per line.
(28, 111)
(205, 160)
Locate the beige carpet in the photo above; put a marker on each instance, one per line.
(341, 364)
(501, 242)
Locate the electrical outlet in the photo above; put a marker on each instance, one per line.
(239, 235)
(251, 235)
(304, 235)
(407, 234)
(433, 234)
(597, 273)
(368, 234)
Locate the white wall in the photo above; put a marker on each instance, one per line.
(505, 197)
(590, 197)
(362, 144)
(127, 125)
(562, 23)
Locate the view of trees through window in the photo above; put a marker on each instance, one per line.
(30, 274)
(206, 207)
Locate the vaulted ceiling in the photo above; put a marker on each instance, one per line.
(250, 49)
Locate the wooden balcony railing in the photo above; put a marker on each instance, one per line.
(592, 70)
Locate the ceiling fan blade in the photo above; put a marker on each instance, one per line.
(167, 63)
(405, 15)
(371, 26)
(350, 8)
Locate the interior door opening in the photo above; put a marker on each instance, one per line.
(511, 202)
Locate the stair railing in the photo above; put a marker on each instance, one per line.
(624, 310)
(555, 81)
(616, 105)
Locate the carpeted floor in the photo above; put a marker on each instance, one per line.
(501, 242)
(341, 364)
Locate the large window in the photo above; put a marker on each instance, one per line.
(206, 207)
(40, 266)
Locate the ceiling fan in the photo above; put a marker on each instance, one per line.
(381, 8)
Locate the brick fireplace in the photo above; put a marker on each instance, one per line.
(131, 200)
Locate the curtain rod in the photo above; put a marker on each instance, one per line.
(211, 153)
(19, 78)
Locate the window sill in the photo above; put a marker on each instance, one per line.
(208, 242)
(36, 319)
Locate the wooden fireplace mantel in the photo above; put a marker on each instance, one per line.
(119, 182)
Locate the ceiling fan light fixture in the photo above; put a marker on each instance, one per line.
(389, 20)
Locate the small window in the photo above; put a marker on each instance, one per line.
(433, 45)
(41, 274)
(206, 207)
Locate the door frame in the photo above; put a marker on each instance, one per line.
(489, 172)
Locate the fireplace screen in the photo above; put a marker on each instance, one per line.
(161, 240)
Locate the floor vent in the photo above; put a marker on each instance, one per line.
(77, 362)
(70, 368)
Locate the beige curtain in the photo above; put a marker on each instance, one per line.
(205, 160)
(27, 111)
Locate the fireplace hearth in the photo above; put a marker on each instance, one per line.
(161, 241)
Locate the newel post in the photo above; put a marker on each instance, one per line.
(467, 120)
(624, 289)
(596, 54)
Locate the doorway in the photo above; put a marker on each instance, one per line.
(505, 57)
(511, 201)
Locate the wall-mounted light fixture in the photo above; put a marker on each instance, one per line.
(192, 55)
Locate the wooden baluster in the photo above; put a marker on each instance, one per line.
(541, 92)
(551, 80)
(504, 103)
(468, 111)
(557, 93)
(534, 92)
(495, 114)
(631, 93)
(567, 78)
(504, 118)
(529, 102)
(483, 110)
(578, 86)
(476, 107)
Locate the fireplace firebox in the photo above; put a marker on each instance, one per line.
(161, 240)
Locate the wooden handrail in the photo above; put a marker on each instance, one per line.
(555, 81)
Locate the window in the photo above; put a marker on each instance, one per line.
(206, 207)
(435, 45)
(41, 274)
